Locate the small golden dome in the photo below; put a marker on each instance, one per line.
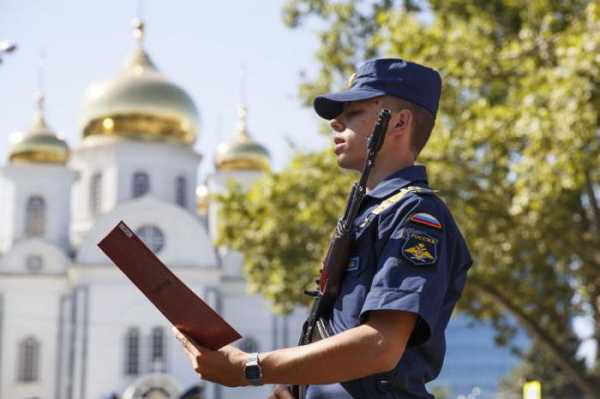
(202, 199)
(38, 144)
(241, 152)
(140, 103)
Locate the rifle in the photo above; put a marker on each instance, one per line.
(338, 253)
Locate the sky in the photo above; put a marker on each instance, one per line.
(200, 45)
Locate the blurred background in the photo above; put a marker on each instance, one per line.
(148, 111)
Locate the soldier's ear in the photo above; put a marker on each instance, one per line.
(400, 122)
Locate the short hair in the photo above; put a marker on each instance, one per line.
(422, 125)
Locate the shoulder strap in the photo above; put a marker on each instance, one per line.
(388, 202)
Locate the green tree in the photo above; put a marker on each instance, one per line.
(515, 153)
(538, 365)
(441, 392)
(281, 226)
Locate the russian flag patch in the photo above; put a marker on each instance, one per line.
(426, 219)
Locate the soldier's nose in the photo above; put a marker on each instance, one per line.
(336, 125)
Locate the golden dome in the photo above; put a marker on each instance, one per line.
(140, 103)
(241, 152)
(38, 144)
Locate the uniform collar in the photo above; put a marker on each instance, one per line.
(398, 180)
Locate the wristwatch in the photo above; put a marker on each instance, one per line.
(252, 370)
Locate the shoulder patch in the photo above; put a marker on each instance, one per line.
(426, 219)
(420, 249)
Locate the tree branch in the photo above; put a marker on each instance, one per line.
(589, 186)
(588, 384)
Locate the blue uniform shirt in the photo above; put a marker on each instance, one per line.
(407, 255)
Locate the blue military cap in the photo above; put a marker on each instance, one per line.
(385, 76)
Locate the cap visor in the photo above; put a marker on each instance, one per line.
(328, 106)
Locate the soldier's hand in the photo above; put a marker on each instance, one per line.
(281, 392)
(225, 366)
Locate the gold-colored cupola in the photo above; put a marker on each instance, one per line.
(39, 144)
(242, 152)
(140, 103)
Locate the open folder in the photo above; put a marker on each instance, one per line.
(184, 309)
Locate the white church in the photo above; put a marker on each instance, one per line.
(71, 325)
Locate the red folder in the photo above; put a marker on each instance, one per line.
(184, 309)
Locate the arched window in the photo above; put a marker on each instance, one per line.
(35, 216)
(141, 184)
(132, 352)
(29, 360)
(158, 349)
(96, 193)
(152, 236)
(34, 263)
(181, 191)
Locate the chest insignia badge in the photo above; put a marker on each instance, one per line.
(426, 219)
(354, 264)
(420, 249)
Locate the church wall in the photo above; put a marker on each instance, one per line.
(185, 241)
(30, 308)
(163, 163)
(77, 376)
(65, 349)
(180, 367)
(53, 183)
(88, 160)
(79, 306)
(118, 160)
(115, 305)
(113, 310)
(50, 259)
(99, 304)
(7, 213)
(232, 263)
(251, 316)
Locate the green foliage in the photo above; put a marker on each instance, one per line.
(282, 225)
(440, 392)
(537, 365)
(515, 153)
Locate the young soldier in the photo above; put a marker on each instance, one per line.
(408, 263)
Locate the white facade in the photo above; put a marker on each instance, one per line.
(72, 326)
(22, 183)
(78, 311)
(116, 161)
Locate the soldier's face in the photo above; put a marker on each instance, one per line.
(351, 130)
